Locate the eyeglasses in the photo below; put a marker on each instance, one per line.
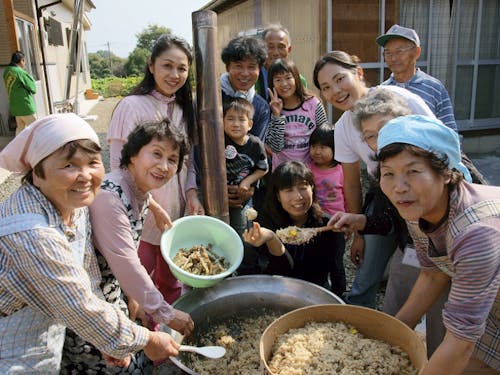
(371, 139)
(397, 53)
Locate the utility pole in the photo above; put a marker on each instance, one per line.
(109, 58)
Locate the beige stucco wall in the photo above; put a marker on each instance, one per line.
(57, 57)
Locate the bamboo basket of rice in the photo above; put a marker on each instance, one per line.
(295, 348)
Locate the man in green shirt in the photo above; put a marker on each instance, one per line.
(20, 88)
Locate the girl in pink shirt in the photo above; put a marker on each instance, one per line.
(295, 113)
(327, 171)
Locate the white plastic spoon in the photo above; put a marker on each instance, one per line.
(207, 351)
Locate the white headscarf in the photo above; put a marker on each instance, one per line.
(42, 138)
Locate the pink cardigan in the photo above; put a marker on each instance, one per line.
(129, 113)
(112, 235)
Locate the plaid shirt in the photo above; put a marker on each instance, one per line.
(467, 248)
(37, 269)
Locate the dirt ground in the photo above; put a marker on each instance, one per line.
(103, 111)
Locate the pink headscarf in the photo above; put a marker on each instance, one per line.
(42, 138)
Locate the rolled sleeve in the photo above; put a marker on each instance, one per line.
(475, 283)
(113, 238)
(45, 277)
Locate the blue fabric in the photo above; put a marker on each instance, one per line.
(428, 134)
(261, 117)
(237, 217)
(434, 94)
(261, 84)
(378, 250)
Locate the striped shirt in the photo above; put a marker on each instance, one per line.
(37, 269)
(288, 134)
(472, 258)
(434, 94)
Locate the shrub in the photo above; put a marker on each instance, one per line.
(115, 86)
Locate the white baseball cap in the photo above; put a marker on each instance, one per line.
(397, 31)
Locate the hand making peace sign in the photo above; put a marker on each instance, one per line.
(276, 103)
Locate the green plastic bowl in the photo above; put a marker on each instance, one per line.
(192, 231)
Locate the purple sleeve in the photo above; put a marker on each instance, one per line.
(475, 257)
(113, 237)
(191, 172)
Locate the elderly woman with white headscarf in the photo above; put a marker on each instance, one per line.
(49, 276)
(422, 175)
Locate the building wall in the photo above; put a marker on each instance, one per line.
(4, 38)
(25, 7)
(305, 21)
(231, 22)
(57, 56)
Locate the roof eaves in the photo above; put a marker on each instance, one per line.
(220, 5)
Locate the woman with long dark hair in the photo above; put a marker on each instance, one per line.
(291, 201)
(165, 92)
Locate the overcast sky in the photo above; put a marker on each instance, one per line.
(118, 22)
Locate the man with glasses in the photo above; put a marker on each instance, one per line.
(401, 52)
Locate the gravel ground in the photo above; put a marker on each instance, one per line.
(103, 111)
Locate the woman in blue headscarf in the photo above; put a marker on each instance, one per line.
(422, 175)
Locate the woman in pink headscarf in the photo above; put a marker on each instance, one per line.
(49, 277)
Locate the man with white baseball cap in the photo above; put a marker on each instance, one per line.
(401, 52)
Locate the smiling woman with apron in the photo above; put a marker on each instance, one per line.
(28, 339)
(49, 275)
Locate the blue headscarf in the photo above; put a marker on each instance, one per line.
(429, 134)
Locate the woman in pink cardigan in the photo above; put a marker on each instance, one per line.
(151, 157)
(165, 92)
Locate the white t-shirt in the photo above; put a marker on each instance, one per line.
(349, 144)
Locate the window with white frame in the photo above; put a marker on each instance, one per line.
(27, 44)
(461, 47)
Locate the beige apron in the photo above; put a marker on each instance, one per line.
(30, 342)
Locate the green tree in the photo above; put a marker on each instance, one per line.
(146, 38)
(101, 65)
(136, 62)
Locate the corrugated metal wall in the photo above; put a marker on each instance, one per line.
(304, 19)
(25, 7)
(4, 38)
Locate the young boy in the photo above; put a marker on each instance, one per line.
(246, 160)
